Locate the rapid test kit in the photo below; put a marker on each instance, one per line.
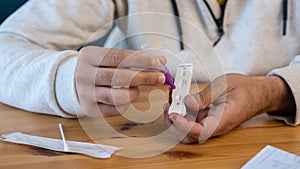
(183, 79)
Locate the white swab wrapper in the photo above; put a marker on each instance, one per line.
(94, 150)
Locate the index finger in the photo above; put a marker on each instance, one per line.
(106, 57)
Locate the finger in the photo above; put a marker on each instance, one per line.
(192, 105)
(105, 110)
(166, 115)
(185, 126)
(110, 110)
(198, 101)
(186, 139)
(167, 119)
(212, 123)
(112, 96)
(202, 114)
(203, 99)
(126, 77)
(228, 117)
(120, 58)
(170, 123)
(181, 136)
(191, 117)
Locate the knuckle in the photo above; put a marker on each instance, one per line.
(85, 51)
(103, 95)
(104, 75)
(91, 54)
(114, 56)
(105, 98)
(204, 97)
(162, 59)
(118, 79)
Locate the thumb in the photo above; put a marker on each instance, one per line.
(198, 101)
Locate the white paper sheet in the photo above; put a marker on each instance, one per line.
(273, 158)
(94, 150)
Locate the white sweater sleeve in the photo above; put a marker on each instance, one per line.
(38, 52)
(291, 75)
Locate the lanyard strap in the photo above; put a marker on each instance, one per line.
(221, 2)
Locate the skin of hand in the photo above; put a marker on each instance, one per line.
(220, 108)
(100, 70)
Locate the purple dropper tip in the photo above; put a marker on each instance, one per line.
(169, 79)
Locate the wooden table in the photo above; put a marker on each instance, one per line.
(229, 151)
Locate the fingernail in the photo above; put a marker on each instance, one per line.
(161, 79)
(173, 116)
(155, 63)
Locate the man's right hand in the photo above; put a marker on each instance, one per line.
(100, 70)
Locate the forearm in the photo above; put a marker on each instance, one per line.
(38, 52)
(28, 75)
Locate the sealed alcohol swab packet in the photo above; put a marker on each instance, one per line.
(94, 150)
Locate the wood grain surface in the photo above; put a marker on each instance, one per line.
(229, 151)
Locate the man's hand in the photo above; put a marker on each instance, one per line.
(100, 72)
(229, 101)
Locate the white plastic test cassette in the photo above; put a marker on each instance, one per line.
(183, 79)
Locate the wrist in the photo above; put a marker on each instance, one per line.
(65, 92)
(280, 96)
